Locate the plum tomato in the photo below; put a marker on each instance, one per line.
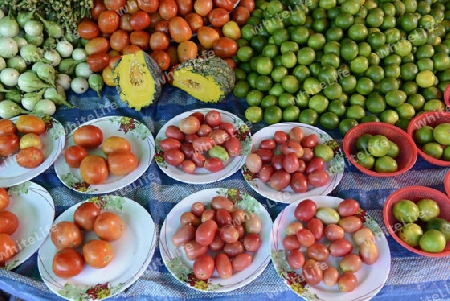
(193, 249)
(310, 141)
(280, 137)
(268, 144)
(227, 127)
(139, 20)
(340, 247)
(74, 155)
(203, 267)
(253, 162)
(174, 132)
(368, 252)
(203, 7)
(173, 156)
(199, 116)
(88, 136)
(362, 235)
(218, 17)
(122, 163)
(206, 232)
(350, 224)
(98, 253)
(217, 244)
(318, 251)
(301, 166)
(109, 226)
(347, 282)
(299, 182)
(330, 276)
(30, 157)
(266, 172)
(312, 272)
(187, 150)
(188, 166)
(308, 154)
(223, 218)
(279, 180)
(315, 225)
(208, 214)
(213, 165)
(265, 154)
(220, 202)
(149, 6)
(108, 21)
(277, 161)
(240, 15)
(242, 261)
(252, 224)
(169, 143)
(184, 234)
(223, 266)
(202, 144)
(189, 218)
(296, 134)
(67, 263)
(224, 47)
(238, 217)
(318, 178)
(291, 242)
(233, 146)
(305, 210)
(252, 242)
(333, 232)
(94, 169)
(295, 259)
(30, 124)
(198, 208)
(305, 237)
(229, 234)
(351, 263)
(8, 222)
(234, 249)
(293, 228)
(204, 130)
(290, 163)
(219, 136)
(348, 207)
(314, 164)
(8, 248)
(292, 146)
(30, 140)
(115, 144)
(88, 29)
(85, 215)
(66, 235)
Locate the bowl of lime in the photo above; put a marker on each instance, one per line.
(380, 149)
(431, 132)
(418, 218)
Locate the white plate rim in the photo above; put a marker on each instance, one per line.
(57, 135)
(169, 252)
(289, 197)
(232, 166)
(312, 293)
(64, 174)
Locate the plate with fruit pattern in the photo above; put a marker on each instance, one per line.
(53, 140)
(181, 267)
(132, 253)
(142, 145)
(370, 278)
(200, 174)
(334, 168)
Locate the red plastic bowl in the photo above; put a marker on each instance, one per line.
(432, 119)
(447, 183)
(415, 194)
(447, 96)
(408, 150)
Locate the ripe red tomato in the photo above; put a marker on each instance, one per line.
(124, 22)
(115, 144)
(225, 47)
(97, 9)
(67, 263)
(85, 215)
(141, 39)
(88, 136)
(108, 21)
(218, 17)
(240, 15)
(203, 7)
(179, 29)
(88, 29)
(226, 4)
(159, 41)
(4, 198)
(8, 222)
(94, 169)
(98, 61)
(30, 157)
(139, 20)
(168, 9)
(162, 26)
(194, 20)
(9, 144)
(119, 40)
(98, 253)
(66, 235)
(149, 6)
(109, 226)
(8, 248)
(74, 155)
(249, 4)
(161, 58)
(203, 267)
(122, 163)
(115, 4)
(7, 127)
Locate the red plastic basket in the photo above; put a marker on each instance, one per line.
(415, 194)
(432, 119)
(408, 150)
(447, 96)
(447, 183)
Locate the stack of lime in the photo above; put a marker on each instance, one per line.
(341, 62)
(434, 233)
(376, 153)
(434, 142)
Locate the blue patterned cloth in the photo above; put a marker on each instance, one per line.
(412, 277)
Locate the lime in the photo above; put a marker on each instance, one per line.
(254, 114)
(424, 51)
(329, 120)
(378, 145)
(395, 98)
(394, 150)
(409, 88)
(376, 39)
(389, 22)
(312, 85)
(273, 114)
(332, 47)
(408, 71)
(424, 135)
(349, 50)
(248, 31)
(333, 91)
(241, 88)
(402, 47)
(431, 93)
(344, 20)
(328, 75)
(317, 41)
(441, 61)
(291, 113)
(359, 64)
(269, 51)
(302, 99)
(388, 9)
(406, 111)
(362, 142)
(337, 107)
(300, 35)
(389, 116)
(332, 13)
(277, 89)
(301, 72)
(446, 154)
(375, 17)
(334, 34)
(375, 73)
(355, 112)
(392, 35)
(327, 4)
(350, 6)
(289, 59)
(348, 83)
(364, 159)
(385, 164)
(428, 209)
(358, 32)
(245, 53)
(263, 83)
(308, 116)
(364, 49)
(346, 124)
(405, 211)
(411, 234)
(285, 100)
(318, 103)
(254, 97)
(425, 79)
(306, 56)
(330, 59)
(278, 73)
(408, 22)
(418, 37)
(258, 43)
(441, 133)
(375, 103)
(323, 151)
(433, 149)
(416, 100)
(251, 79)
(316, 66)
(264, 65)
(432, 241)
(297, 17)
(268, 101)
(364, 85)
(370, 118)
(289, 46)
(290, 84)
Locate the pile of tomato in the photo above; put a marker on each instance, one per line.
(8, 226)
(172, 31)
(67, 236)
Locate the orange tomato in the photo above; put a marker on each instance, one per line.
(131, 49)
(207, 36)
(94, 169)
(122, 163)
(98, 253)
(115, 144)
(203, 7)
(187, 50)
(230, 62)
(159, 41)
(66, 235)
(119, 40)
(173, 55)
(30, 157)
(218, 17)
(74, 155)
(97, 45)
(108, 76)
(248, 4)
(109, 226)
(168, 9)
(67, 263)
(8, 222)
(30, 124)
(4, 198)
(141, 39)
(85, 215)
(99, 7)
(7, 127)
(115, 4)
(108, 21)
(225, 47)
(240, 15)
(124, 22)
(98, 61)
(148, 6)
(184, 7)
(88, 29)
(9, 144)
(162, 26)
(194, 20)
(88, 136)
(161, 58)
(226, 4)
(179, 29)
(155, 17)
(8, 248)
(140, 20)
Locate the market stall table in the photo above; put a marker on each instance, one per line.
(411, 277)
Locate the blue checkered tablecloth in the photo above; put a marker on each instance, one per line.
(411, 277)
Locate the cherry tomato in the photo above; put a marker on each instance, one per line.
(174, 156)
(8, 222)
(4, 198)
(194, 20)
(30, 157)
(119, 39)
(122, 163)
(189, 218)
(30, 124)
(98, 253)
(347, 282)
(203, 267)
(98, 61)
(206, 232)
(252, 242)
(348, 207)
(174, 132)
(295, 259)
(198, 208)
(149, 6)
(124, 22)
(241, 262)
(88, 136)
(280, 137)
(108, 21)
(223, 266)
(109, 226)
(97, 9)
(140, 20)
(140, 39)
(159, 41)
(88, 29)
(9, 144)
(115, 4)
(230, 62)
(203, 7)
(193, 250)
(184, 234)
(168, 9)
(97, 45)
(85, 215)
(67, 263)
(240, 15)
(279, 180)
(162, 59)
(66, 235)
(173, 55)
(94, 169)
(305, 210)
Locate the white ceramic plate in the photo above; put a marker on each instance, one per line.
(132, 254)
(370, 278)
(53, 141)
(181, 267)
(201, 175)
(142, 145)
(335, 167)
(34, 208)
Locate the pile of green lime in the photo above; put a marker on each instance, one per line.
(338, 63)
(376, 152)
(431, 235)
(435, 142)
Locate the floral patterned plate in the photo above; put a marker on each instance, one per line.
(370, 278)
(142, 145)
(181, 268)
(53, 140)
(34, 208)
(132, 254)
(201, 175)
(335, 167)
